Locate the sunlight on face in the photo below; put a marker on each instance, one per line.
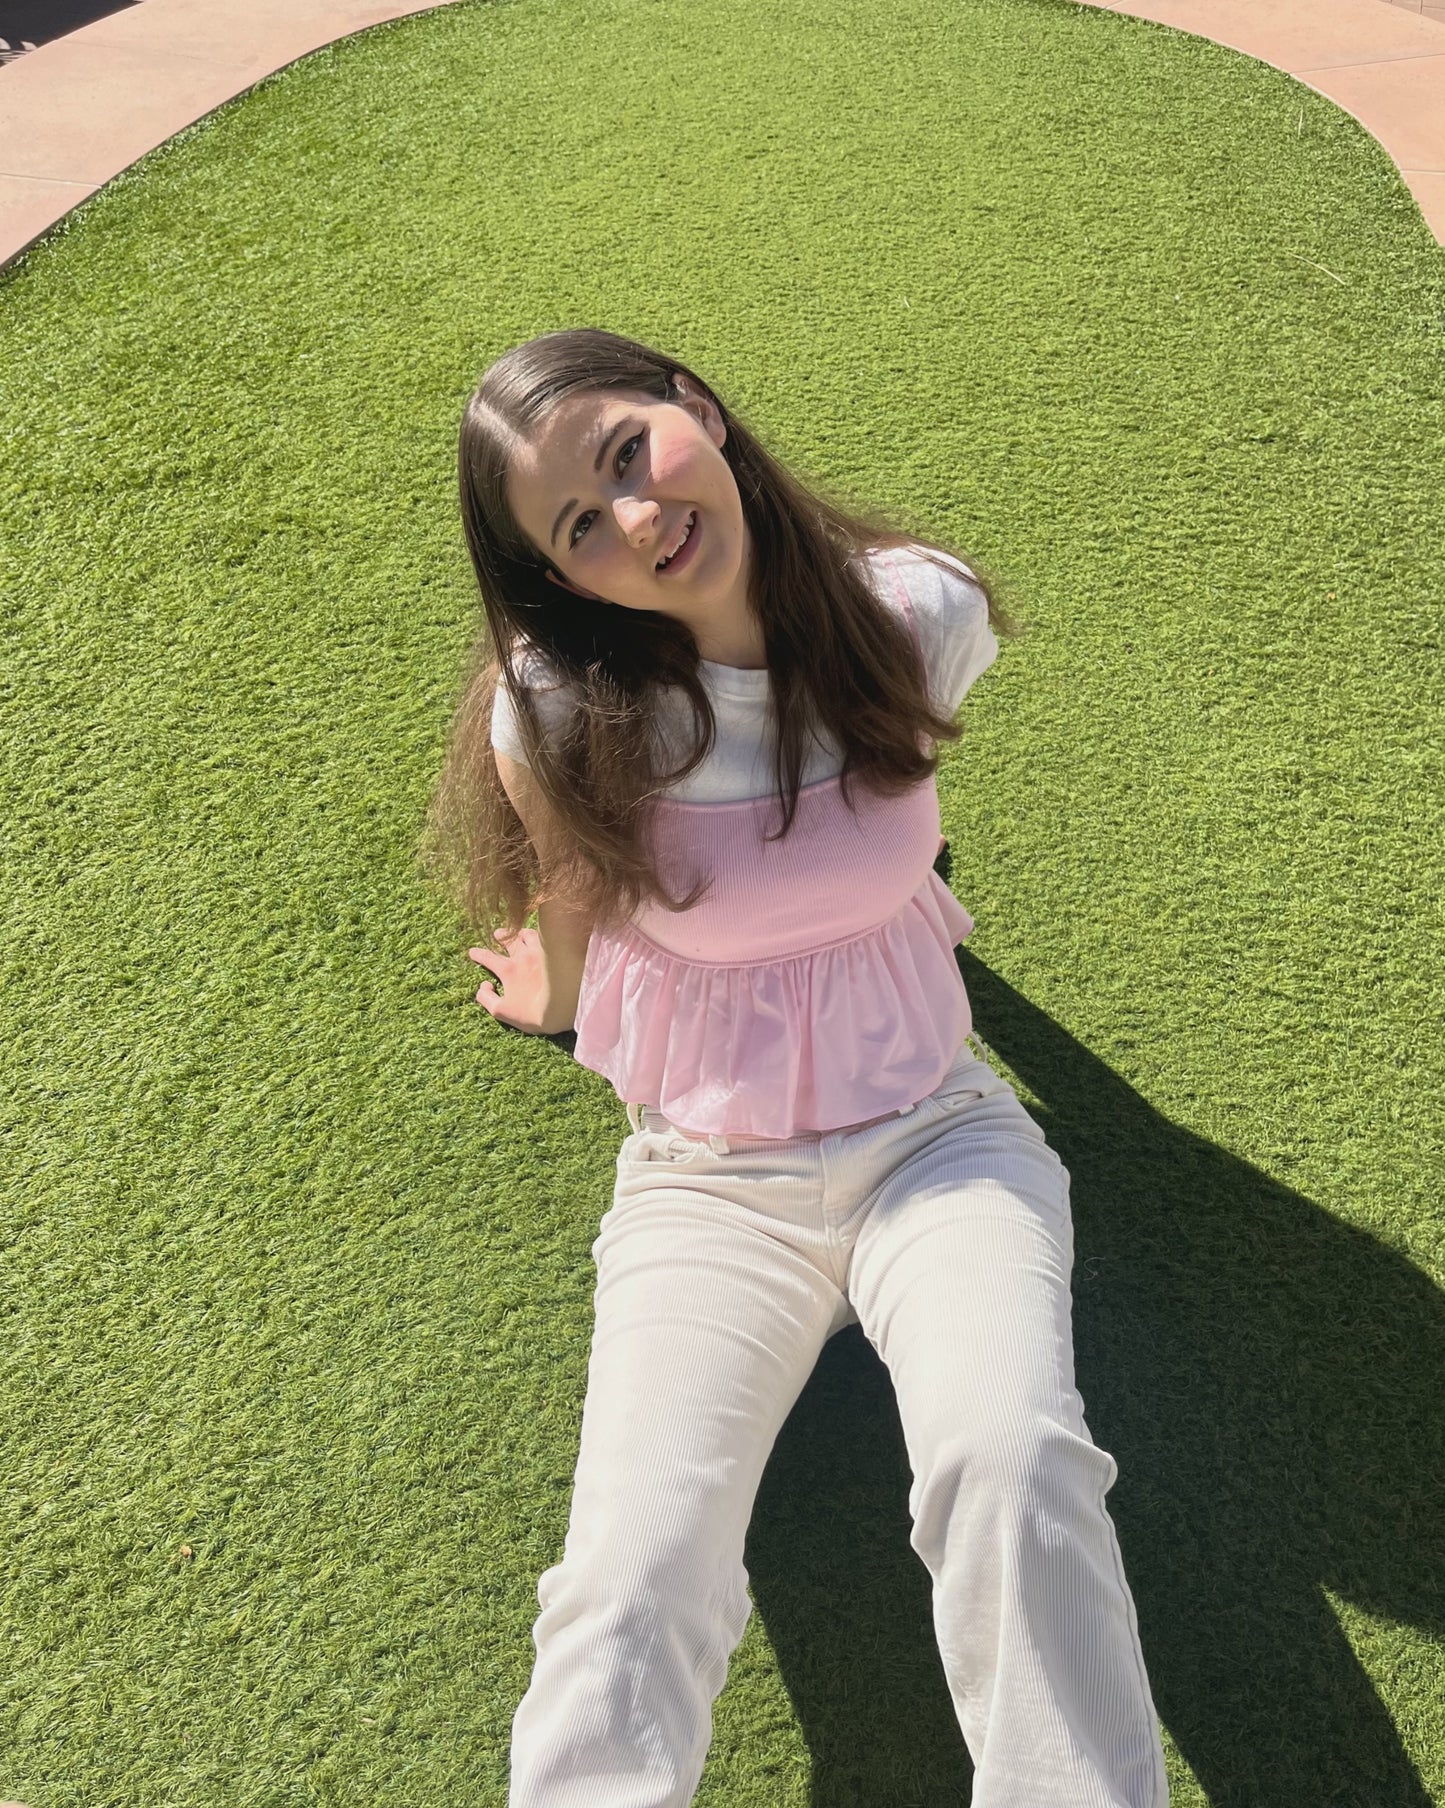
(605, 486)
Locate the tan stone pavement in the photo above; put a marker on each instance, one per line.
(1383, 63)
(77, 111)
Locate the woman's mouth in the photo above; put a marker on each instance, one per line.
(685, 551)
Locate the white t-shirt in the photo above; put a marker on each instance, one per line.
(958, 643)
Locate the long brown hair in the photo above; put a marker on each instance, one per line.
(839, 659)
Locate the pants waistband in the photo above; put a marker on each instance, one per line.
(720, 1144)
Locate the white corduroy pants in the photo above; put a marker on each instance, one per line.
(723, 1266)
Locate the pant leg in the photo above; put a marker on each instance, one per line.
(708, 1322)
(961, 1278)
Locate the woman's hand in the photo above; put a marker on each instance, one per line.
(525, 1000)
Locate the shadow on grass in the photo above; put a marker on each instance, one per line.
(1269, 1382)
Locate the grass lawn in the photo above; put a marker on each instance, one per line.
(294, 1238)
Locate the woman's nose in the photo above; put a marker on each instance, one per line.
(636, 518)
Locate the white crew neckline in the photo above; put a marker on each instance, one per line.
(742, 681)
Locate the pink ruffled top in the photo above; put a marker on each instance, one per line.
(814, 985)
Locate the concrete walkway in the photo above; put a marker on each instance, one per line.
(77, 111)
(1384, 63)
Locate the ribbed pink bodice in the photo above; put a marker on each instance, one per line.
(813, 986)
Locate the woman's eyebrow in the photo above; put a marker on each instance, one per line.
(608, 435)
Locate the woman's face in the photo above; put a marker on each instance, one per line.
(605, 486)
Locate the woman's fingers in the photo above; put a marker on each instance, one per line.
(484, 957)
(487, 996)
(519, 1000)
(505, 968)
(522, 939)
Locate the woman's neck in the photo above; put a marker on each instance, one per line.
(735, 635)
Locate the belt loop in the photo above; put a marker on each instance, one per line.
(634, 1115)
(903, 1110)
(718, 1145)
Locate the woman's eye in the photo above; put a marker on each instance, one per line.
(573, 537)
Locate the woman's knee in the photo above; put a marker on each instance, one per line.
(644, 1590)
(1008, 1471)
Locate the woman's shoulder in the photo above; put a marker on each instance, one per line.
(928, 569)
(535, 671)
(942, 590)
(951, 610)
(550, 693)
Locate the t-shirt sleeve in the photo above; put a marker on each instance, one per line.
(553, 700)
(951, 610)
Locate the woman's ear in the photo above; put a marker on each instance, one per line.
(702, 406)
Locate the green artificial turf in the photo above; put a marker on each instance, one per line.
(296, 1278)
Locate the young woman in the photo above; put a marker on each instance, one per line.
(698, 736)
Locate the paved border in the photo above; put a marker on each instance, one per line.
(77, 111)
(1385, 65)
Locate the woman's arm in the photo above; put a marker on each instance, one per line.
(541, 973)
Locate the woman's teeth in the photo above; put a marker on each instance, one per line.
(662, 564)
